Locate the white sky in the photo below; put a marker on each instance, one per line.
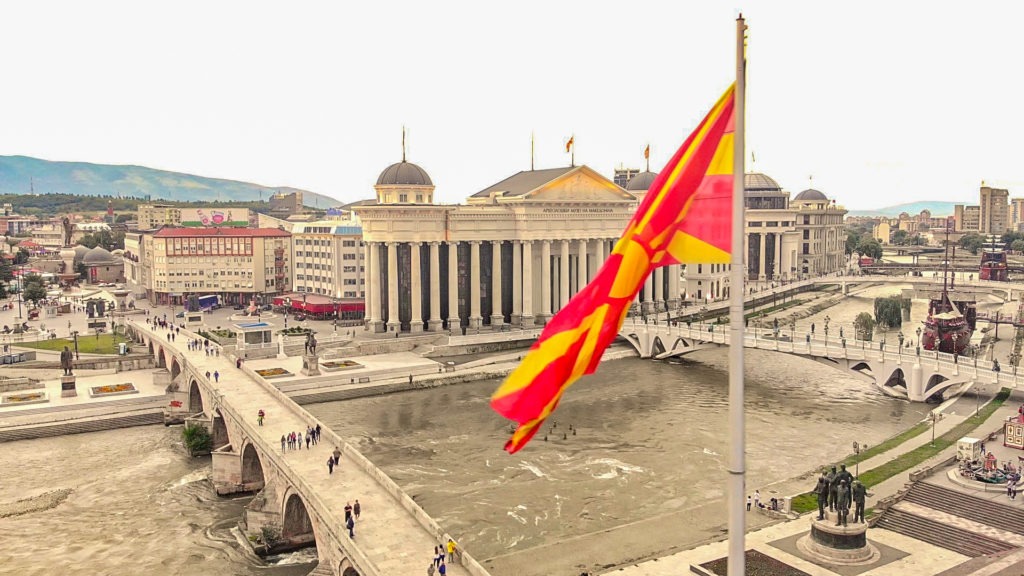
(882, 102)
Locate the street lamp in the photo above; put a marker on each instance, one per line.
(337, 311)
(977, 399)
(934, 417)
(857, 449)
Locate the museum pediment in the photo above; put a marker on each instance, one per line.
(579, 185)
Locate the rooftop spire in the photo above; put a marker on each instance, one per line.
(403, 143)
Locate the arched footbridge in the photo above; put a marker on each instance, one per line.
(297, 501)
(911, 375)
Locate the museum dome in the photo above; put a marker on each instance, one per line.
(811, 195)
(404, 174)
(98, 256)
(80, 252)
(641, 182)
(757, 182)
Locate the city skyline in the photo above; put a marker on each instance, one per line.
(879, 111)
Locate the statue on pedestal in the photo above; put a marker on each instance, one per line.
(67, 358)
(68, 229)
(311, 344)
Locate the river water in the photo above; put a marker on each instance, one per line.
(138, 505)
(651, 439)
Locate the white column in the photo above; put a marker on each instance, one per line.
(659, 287)
(764, 238)
(778, 257)
(517, 282)
(416, 286)
(527, 262)
(648, 291)
(454, 323)
(368, 287)
(497, 316)
(563, 275)
(434, 323)
(393, 324)
(376, 278)
(581, 265)
(673, 285)
(545, 281)
(474, 285)
(600, 255)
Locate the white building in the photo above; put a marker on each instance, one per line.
(328, 259)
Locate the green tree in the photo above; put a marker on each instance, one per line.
(21, 256)
(888, 312)
(972, 242)
(852, 240)
(6, 270)
(197, 439)
(82, 271)
(899, 237)
(869, 247)
(35, 288)
(864, 325)
(124, 218)
(1017, 245)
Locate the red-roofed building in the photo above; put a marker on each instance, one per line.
(237, 264)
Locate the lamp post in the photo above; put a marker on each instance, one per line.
(977, 399)
(74, 334)
(337, 311)
(857, 449)
(934, 417)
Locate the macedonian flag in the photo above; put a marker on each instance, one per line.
(684, 218)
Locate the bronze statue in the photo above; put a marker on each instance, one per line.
(310, 344)
(821, 490)
(859, 492)
(68, 229)
(842, 503)
(67, 361)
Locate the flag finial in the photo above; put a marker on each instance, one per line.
(647, 156)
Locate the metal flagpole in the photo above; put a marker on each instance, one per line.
(737, 466)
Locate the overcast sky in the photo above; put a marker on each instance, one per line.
(882, 102)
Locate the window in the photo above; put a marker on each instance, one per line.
(348, 256)
(419, 198)
(403, 198)
(350, 282)
(807, 234)
(348, 243)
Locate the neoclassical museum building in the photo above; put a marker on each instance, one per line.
(516, 251)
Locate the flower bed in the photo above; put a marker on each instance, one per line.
(112, 390)
(24, 398)
(337, 365)
(274, 373)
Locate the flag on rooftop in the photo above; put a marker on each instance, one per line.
(686, 217)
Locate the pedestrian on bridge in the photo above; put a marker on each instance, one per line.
(330, 465)
(300, 440)
(337, 456)
(283, 440)
(348, 511)
(356, 509)
(259, 416)
(350, 524)
(308, 438)
(216, 376)
(207, 374)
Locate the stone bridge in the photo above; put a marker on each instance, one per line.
(296, 499)
(925, 285)
(913, 376)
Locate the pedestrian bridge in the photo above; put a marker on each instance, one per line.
(897, 371)
(297, 502)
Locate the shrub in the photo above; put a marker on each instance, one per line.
(197, 439)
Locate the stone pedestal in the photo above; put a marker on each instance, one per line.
(845, 545)
(67, 387)
(310, 365)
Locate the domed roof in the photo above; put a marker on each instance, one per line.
(98, 255)
(757, 182)
(80, 252)
(641, 182)
(810, 195)
(404, 174)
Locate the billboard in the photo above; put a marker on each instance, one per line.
(202, 217)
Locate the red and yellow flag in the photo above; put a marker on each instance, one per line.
(568, 145)
(684, 218)
(647, 152)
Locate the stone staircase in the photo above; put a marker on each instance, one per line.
(94, 424)
(980, 510)
(945, 535)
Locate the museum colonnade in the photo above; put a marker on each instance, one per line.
(434, 286)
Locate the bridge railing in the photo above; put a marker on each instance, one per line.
(494, 337)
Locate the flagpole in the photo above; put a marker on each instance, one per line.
(737, 431)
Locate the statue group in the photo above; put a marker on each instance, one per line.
(839, 490)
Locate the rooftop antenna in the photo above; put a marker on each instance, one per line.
(403, 143)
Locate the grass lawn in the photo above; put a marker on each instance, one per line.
(807, 502)
(87, 344)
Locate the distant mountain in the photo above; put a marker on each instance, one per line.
(936, 208)
(86, 179)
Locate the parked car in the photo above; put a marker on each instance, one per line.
(267, 307)
(238, 307)
(180, 314)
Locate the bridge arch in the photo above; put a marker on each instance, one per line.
(220, 431)
(175, 369)
(345, 568)
(151, 352)
(898, 379)
(657, 347)
(252, 467)
(195, 398)
(296, 524)
(161, 358)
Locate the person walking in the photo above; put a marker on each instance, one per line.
(330, 465)
(757, 498)
(356, 508)
(430, 569)
(348, 511)
(207, 374)
(318, 432)
(259, 416)
(437, 557)
(283, 440)
(308, 438)
(300, 440)
(749, 500)
(441, 569)
(337, 456)
(216, 376)
(350, 524)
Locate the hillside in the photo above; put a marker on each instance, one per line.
(86, 179)
(913, 208)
